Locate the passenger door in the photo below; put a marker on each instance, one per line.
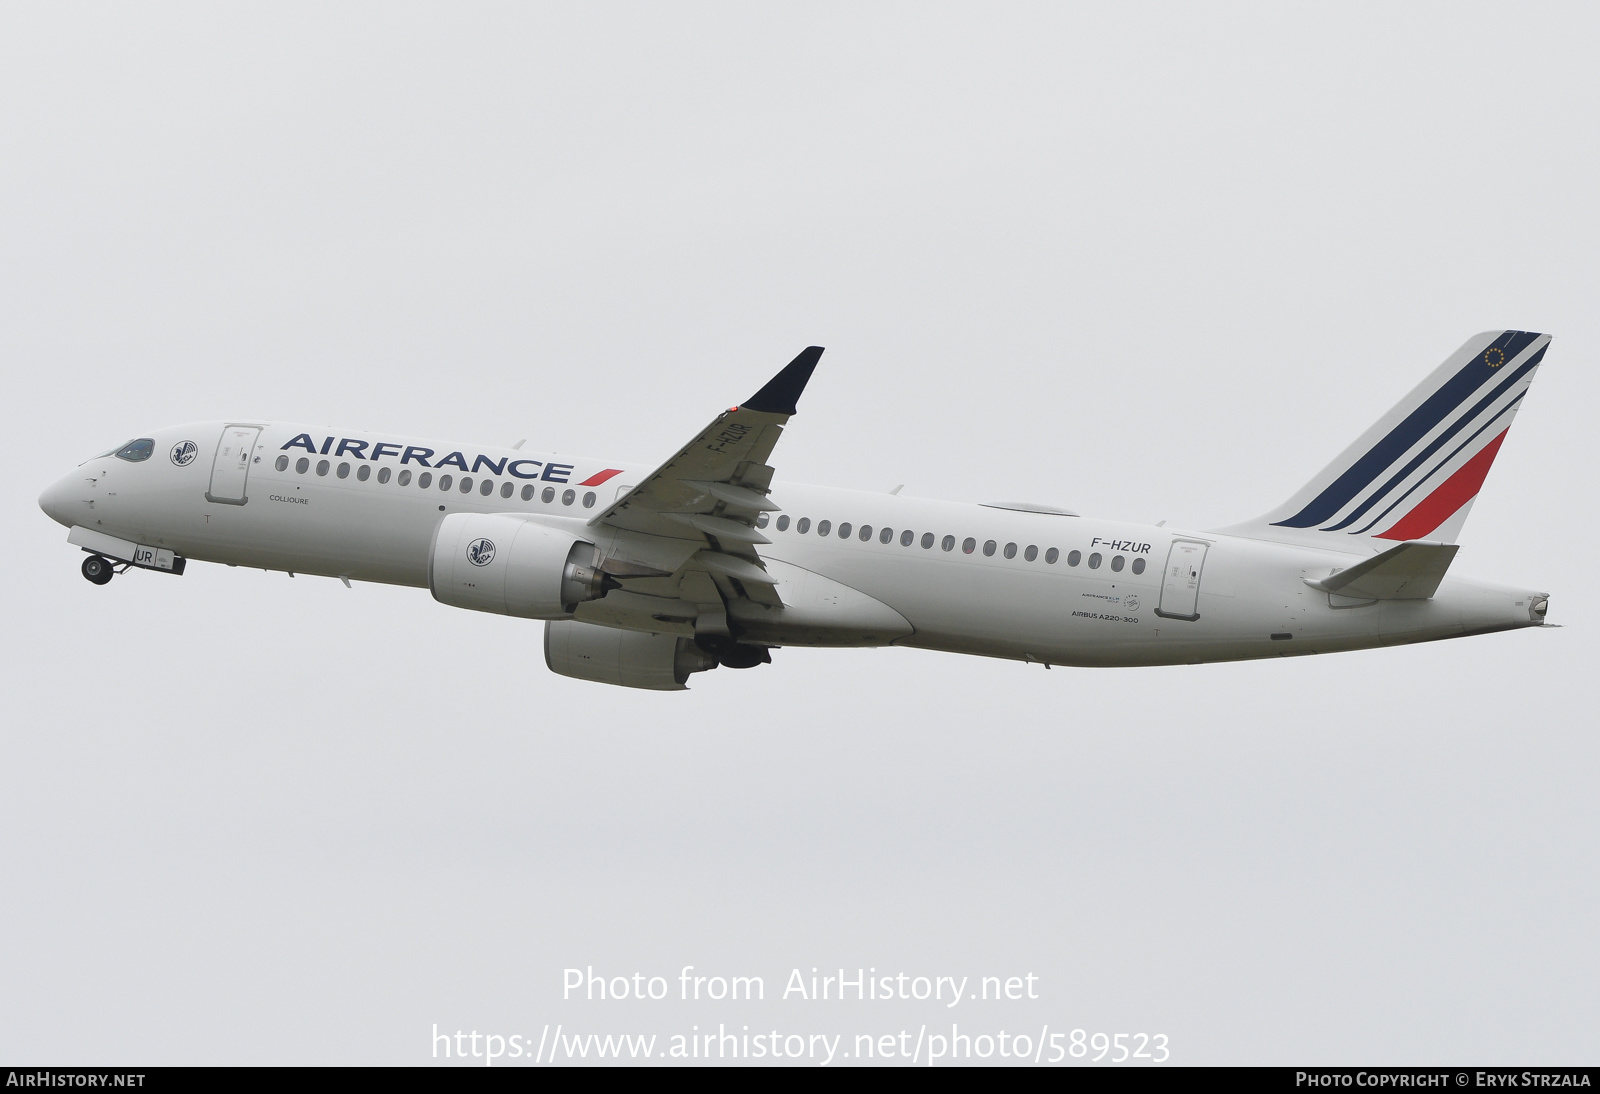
(1180, 582)
(231, 466)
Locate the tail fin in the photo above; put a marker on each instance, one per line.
(1415, 473)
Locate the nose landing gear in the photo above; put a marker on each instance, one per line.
(98, 570)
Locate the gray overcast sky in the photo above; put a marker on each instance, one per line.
(1151, 262)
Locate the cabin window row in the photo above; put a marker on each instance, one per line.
(486, 487)
(969, 545)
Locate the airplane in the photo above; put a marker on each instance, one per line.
(646, 575)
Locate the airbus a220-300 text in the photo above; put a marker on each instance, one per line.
(645, 575)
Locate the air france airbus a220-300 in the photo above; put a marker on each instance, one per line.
(646, 575)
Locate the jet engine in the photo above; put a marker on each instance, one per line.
(633, 659)
(492, 562)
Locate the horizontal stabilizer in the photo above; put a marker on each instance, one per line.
(1410, 571)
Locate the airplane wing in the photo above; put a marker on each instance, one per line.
(713, 491)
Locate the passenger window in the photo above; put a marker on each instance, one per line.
(1074, 558)
(1050, 556)
(927, 541)
(865, 534)
(567, 496)
(824, 527)
(886, 536)
(968, 545)
(487, 487)
(444, 481)
(425, 480)
(383, 474)
(527, 492)
(1138, 565)
(364, 472)
(1011, 550)
(466, 485)
(300, 465)
(844, 530)
(761, 518)
(344, 471)
(589, 499)
(948, 543)
(1031, 553)
(282, 463)
(988, 548)
(1094, 561)
(507, 489)
(549, 495)
(783, 523)
(404, 479)
(1117, 564)
(137, 451)
(803, 526)
(322, 468)
(907, 538)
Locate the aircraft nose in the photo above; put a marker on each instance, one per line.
(58, 500)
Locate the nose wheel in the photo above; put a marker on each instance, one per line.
(97, 569)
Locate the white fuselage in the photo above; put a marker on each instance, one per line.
(1056, 589)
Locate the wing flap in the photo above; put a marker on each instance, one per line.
(739, 497)
(722, 528)
(732, 566)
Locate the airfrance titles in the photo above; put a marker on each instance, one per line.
(505, 465)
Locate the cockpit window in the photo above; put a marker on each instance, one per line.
(137, 451)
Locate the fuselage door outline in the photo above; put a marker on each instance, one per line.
(230, 467)
(1180, 580)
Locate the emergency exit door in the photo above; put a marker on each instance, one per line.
(231, 466)
(1180, 583)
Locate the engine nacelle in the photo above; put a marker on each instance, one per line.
(632, 659)
(492, 562)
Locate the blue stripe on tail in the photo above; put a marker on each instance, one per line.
(1438, 406)
(1440, 441)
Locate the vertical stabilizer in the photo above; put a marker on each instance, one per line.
(1414, 474)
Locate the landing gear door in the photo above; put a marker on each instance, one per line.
(231, 467)
(1180, 583)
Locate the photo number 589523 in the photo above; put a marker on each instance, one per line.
(1119, 1046)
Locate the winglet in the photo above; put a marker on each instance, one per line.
(783, 390)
